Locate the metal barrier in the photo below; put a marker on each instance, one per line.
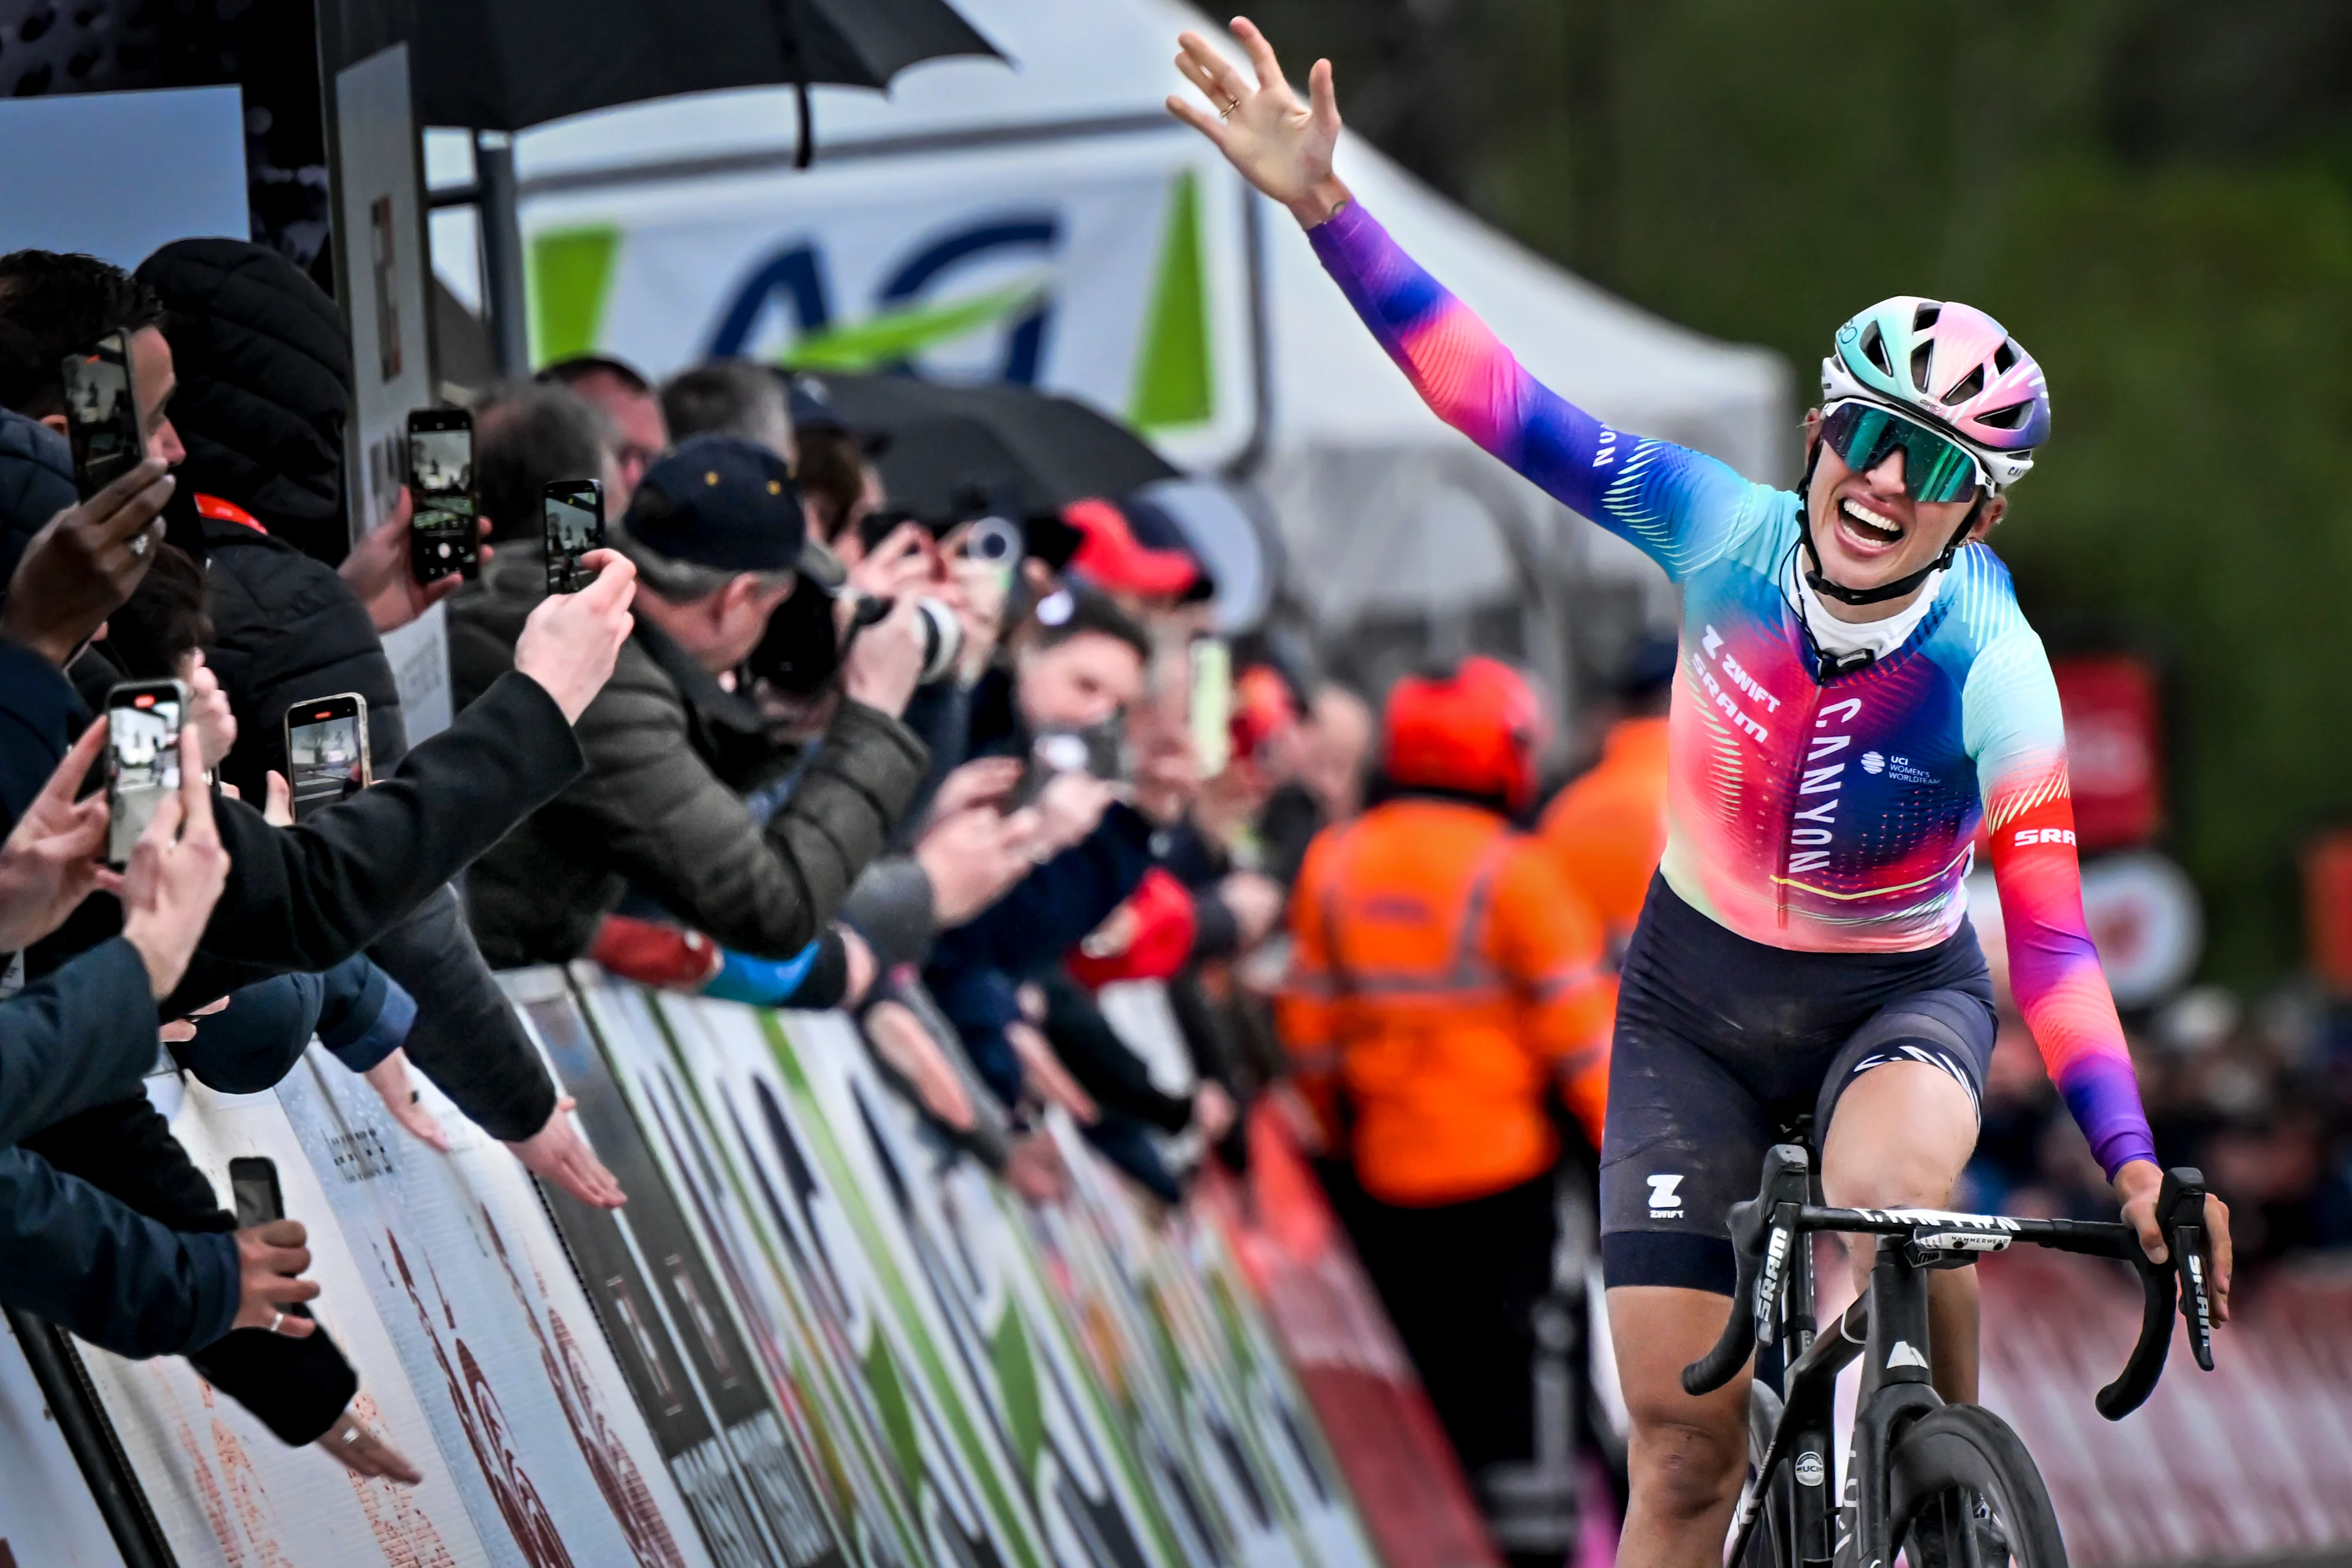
(815, 1335)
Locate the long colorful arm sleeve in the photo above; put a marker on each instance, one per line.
(1679, 507)
(2014, 731)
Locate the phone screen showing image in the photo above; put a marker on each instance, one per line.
(103, 414)
(142, 727)
(574, 523)
(326, 753)
(443, 537)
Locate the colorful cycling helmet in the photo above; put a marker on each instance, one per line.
(1476, 729)
(1951, 365)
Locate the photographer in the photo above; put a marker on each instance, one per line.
(717, 530)
(1078, 667)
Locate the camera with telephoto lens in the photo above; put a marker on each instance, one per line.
(942, 639)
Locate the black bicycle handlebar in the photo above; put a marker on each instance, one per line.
(2180, 1215)
(1788, 1174)
(1765, 1228)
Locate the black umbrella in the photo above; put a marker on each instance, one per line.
(955, 450)
(506, 65)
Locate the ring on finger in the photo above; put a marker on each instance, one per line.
(351, 1433)
(1227, 112)
(277, 1323)
(138, 546)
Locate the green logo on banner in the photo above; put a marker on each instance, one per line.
(891, 336)
(1173, 383)
(570, 277)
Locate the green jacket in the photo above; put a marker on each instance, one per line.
(652, 814)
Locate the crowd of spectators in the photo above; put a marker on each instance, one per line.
(790, 746)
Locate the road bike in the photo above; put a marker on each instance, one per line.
(1949, 1486)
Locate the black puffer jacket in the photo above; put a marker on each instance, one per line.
(263, 375)
(37, 482)
(287, 628)
(265, 385)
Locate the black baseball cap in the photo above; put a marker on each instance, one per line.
(729, 504)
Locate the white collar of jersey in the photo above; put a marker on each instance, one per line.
(1846, 639)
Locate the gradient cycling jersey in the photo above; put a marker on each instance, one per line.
(1832, 817)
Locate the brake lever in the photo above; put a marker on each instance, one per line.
(2180, 1213)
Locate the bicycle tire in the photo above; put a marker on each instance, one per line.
(1949, 1467)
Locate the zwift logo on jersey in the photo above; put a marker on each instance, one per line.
(1666, 1197)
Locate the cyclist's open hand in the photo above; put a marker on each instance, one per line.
(2138, 1183)
(1280, 146)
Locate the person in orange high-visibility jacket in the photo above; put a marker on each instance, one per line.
(1445, 983)
(1607, 830)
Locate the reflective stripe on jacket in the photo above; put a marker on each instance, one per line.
(1443, 974)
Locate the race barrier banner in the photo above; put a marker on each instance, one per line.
(818, 1335)
(815, 1335)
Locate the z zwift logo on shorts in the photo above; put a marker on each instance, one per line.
(1666, 1197)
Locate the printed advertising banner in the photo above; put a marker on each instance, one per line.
(1112, 269)
(815, 1335)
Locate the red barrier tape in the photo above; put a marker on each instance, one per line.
(1377, 1422)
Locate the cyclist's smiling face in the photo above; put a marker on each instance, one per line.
(1869, 531)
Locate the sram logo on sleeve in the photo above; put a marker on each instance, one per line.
(2032, 813)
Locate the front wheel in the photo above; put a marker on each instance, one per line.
(1964, 1493)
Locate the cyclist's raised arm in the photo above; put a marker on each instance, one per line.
(1681, 507)
(2013, 730)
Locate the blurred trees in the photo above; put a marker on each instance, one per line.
(2156, 198)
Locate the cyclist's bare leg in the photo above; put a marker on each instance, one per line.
(1900, 1138)
(1688, 1457)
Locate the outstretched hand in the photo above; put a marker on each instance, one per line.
(557, 1153)
(1280, 144)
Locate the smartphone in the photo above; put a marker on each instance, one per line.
(103, 414)
(1098, 749)
(254, 1192)
(327, 750)
(1212, 704)
(444, 538)
(142, 727)
(574, 518)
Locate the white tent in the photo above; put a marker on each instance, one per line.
(1065, 191)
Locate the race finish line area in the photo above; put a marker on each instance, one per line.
(1069, 783)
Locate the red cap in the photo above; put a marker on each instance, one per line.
(1263, 708)
(1158, 933)
(1477, 731)
(1111, 557)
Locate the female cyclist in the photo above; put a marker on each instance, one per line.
(1857, 690)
